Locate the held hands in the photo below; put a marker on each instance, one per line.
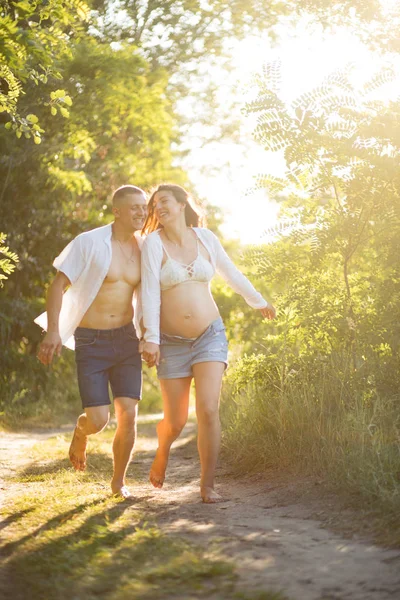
(50, 345)
(268, 312)
(151, 353)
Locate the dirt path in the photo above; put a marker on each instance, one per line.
(13, 455)
(273, 542)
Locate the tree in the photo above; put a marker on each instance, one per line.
(120, 128)
(336, 264)
(34, 37)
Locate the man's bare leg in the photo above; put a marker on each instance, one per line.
(92, 421)
(124, 441)
(175, 394)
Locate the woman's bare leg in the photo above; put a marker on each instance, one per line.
(208, 379)
(175, 395)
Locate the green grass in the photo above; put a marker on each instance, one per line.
(64, 536)
(97, 551)
(316, 427)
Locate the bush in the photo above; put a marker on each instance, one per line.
(316, 420)
(33, 395)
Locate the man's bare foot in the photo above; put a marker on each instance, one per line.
(77, 450)
(210, 496)
(121, 492)
(158, 468)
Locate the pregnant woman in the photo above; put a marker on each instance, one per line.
(184, 333)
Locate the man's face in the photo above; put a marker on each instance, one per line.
(132, 212)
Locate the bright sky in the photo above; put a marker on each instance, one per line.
(307, 55)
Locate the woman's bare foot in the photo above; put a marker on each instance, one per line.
(158, 468)
(77, 450)
(120, 491)
(210, 496)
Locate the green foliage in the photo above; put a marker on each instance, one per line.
(322, 396)
(32, 395)
(99, 101)
(174, 34)
(98, 97)
(314, 420)
(341, 206)
(34, 38)
(7, 259)
(119, 128)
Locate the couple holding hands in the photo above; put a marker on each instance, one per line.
(140, 286)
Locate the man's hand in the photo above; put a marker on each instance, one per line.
(51, 344)
(268, 312)
(151, 354)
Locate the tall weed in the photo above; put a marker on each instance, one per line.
(317, 420)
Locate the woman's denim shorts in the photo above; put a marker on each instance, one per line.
(179, 354)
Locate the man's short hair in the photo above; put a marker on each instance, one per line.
(125, 190)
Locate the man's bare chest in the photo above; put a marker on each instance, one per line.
(124, 269)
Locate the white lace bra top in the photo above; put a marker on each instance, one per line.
(153, 270)
(174, 272)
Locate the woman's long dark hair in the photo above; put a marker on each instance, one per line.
(194, 214)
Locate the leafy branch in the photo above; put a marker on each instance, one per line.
(8, 259)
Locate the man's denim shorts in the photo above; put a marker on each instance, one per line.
(106, 356)
(179, 354)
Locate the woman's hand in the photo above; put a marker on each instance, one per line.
(151, 353)
(268, 312)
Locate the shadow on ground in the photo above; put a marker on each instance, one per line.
(104, 548)
(166, 544)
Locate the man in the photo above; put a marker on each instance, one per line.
(102, 269)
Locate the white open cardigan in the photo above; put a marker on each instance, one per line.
(152, 255)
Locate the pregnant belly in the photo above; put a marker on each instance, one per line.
(187, 309)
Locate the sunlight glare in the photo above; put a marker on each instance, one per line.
(307, 56)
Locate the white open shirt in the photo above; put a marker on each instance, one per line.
(152, 256)
(86, 261)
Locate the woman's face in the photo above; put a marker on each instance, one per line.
(167, 209)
